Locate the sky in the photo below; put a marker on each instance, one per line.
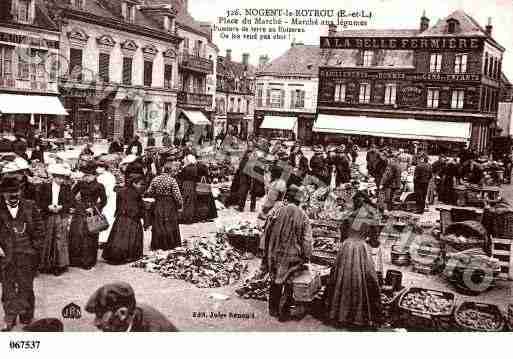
(389, 14)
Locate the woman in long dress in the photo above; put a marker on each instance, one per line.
(90, 198)
(189, 179)
(125, 243)
(207, 200)
(354, 298)
(108, 180)
(55, 199)
(165, 231)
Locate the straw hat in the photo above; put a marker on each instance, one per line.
(59, 169)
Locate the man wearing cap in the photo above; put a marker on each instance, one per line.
(116, 146)
(288, 246)
(391, 181)
(342, 166)
(21, 234)
(54, 200)
(319, 166)
(18, 168)
(421, 178)
(135, 147)
(116, 310)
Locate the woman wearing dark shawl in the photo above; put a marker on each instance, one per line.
(189, 179)
(288, 246)
(165, 232)
(125, 243)
(353, 290)
(206, 201)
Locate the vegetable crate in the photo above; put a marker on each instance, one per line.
(467, 318)
(502, 249)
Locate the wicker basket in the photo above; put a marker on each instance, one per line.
(323, 258)
(481, 307)
(503, 225)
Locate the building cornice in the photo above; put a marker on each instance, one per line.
(119, 25)
(26, 27)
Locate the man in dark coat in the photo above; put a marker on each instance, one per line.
(299, 162)
(21, 233)
(391, 181)
(319, 166)
(116, 146)
(251, 180)
(151, 140)
(19, 146)
(421, 178)
(116, 310)
(166, 140)
(135, 146)
(342, 167)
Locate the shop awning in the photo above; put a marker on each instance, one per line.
(27, 104)
(279, 123)
(393, 127)
(196, 117)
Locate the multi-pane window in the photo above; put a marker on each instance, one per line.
(390, 94)
(6, 62)
(168, 76)
(127, 70)
(247, 107)
(457, 98)
(75, 63)
(340, 93)
(232, 105)
(297, 98)
(23, 10)
(433, 96)
(435, 63)
(368, 56)
(23, 68)
(186, 45)
(104, 66)
(148, 73)
(78, 3)
(130, 13)
(198, 48)
(276, 98)
(260, 94)
(365, 90)
(239, 105)
(460, 63)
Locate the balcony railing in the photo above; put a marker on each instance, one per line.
(27, 85)
(196, 63)
(195, 99)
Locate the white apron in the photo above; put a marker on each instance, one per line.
(108, 180)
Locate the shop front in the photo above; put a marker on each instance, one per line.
(279, 127)
(192, 125)
(28, 115)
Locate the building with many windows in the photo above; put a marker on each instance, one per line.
(235, 95)
(286, 93)
(436, 83)
(29, 46)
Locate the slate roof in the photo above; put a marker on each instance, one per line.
(182, 17)
(233, 69)
(42, 18)
(299, 60)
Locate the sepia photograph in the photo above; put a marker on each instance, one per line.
(240, 166)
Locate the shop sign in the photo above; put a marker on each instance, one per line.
(397, 76)
(28, 40)
(404, 43)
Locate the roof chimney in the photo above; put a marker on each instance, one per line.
(245, 59)
(424, 22)
(263, 60)
(332, 29)
(228, 54)
(489, 27)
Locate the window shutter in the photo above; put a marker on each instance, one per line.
(282, 104)
(75, 57)
(268, 99)
(293, 100)
(302, 93)
(103, 67)
(127, 70)
(359, 58)
(148, 73)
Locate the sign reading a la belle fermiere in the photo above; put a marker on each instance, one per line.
(404, 43)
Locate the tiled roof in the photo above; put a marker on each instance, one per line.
(43, 19)
(299, 60)
(468, 26)
(378, 33)
(182, 17)
(505, 81)
(233, 69)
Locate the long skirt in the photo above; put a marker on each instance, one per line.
(189, 202)
(353, 291)
(125, 242)
(108, 211)
(83, 246)
(206, 207)
(55, 249)
(165, 232)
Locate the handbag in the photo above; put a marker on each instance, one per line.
(96, 223)
(203, 187)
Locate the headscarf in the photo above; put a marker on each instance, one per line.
(111, 297)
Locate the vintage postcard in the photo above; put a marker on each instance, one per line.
(242, 166)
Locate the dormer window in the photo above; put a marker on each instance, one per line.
(80, 4)
(452, 26)
(128, 12)
(24, 11)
